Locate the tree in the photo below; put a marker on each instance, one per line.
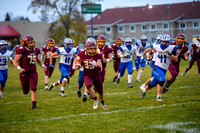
(7, 17)
(58, 10)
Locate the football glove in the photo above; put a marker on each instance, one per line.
(51, 66)
(147, 62)
(94, 63)
(126, 54)
(115, 58)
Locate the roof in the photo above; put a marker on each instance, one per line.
(8, 31)
(189, 10)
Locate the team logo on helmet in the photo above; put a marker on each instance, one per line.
(91, 46)
(101, 41)
(50, 43)
(180, 38)
(29, 42)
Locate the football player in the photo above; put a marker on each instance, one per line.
(116, 62)
(49, 49)
(92, 64)
(5, 55)
(142, 45)
(165, 53)
(106, 52)
(24, 61)
(195, 56)
(126, 53)
(66, 54)
(174, 66)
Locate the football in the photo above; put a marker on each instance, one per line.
(77, 64)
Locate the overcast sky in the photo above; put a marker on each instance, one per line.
(19, 7)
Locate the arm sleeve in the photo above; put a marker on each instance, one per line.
(120, 48)
(58, 51)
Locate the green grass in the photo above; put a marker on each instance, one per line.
(179, 111)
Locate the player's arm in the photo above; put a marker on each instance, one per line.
(174, 58)
(52, 56)
(99, 64)
(39, 60)
(76, 65)
(16, 64)
(109, 58)
(145, 52)
(42, 55)
(191, 50)
(185, 56)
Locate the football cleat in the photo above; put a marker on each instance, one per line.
(130, 85)
(159, 99)
(79, 93)
(165, 89)
(104, 106)
(51, 86)
(34, 108)
(142, 94)
(137, 80)
(95, 106)
(46, 87)
(62, 93)
(114, 80)
(142, 87)
(84, 98)
(118, 81)
(183, 73)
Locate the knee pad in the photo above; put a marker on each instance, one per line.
(161, 83)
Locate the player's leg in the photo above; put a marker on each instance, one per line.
(142, 64)
(3, 79)
(122, 70)
(24, 79)
(190, 66)
(137, 63)
(115, 66)
(198, 65)
(130, 71)
(33, 86)
(46, 77)
(80, 83)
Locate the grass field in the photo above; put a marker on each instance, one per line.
(179, 111)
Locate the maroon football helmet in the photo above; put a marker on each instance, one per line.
(118, 41)
(180, 38)
(29, 42)
(50, 43)
(101, 41)
(91, 47)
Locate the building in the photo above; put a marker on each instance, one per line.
(39, 30)
(160, 19)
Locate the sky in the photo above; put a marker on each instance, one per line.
(19, 7)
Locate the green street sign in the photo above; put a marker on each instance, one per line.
(91, 8)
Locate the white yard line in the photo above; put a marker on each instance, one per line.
(89, 114)
(178, 126)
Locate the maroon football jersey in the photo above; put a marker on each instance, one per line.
(105, 51)
(47, 52)
(182, 49)
(89, 70)
(28, 58)
(196, 51)
(115, 49)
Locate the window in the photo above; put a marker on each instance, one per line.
(153, 26)
(182, 25)
(95, 29)
(166, 26)
(144, 27)
(132, 28)
(108, 29)
(196, 24)
(120, 29)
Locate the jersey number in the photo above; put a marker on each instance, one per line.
(88, 64)
(67, 59)
(162, 57)
(2, 62)
(32, 59)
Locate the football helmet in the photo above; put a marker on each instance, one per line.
(91, 46)
(29, 42)
(50, 43)
(118, 41)
(128, 42)
(68, 43)
(196, 41)
(101, 41)
(158, 37)
(22, 42)
(165, 40)
(180, 38)
(3, 45)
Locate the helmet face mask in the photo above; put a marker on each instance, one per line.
(29, 42)
(91, 47)
(101, 41)
(50, 43)
(165, 40)
(143, 39)
(3, 45)
(180, 38)
(128, 42)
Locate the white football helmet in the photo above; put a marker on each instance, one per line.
(67, 42)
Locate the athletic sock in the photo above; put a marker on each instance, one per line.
(129, 78)
(139, 74)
